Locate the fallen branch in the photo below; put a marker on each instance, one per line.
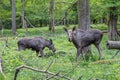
(80, 78)
(105, 61)
(71, 70)
(53, 76)
(33, 26)
(49, 66)
(115, 54)
(113, 44)
(37, 70)
(104, 31)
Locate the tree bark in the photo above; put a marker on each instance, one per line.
(14, 17)
(1, 25)
(10, 2)
(83, 14)
(24, 24)
(66, 20)
(112, 23)
(84, 17)
(51, 21)
(113, 44)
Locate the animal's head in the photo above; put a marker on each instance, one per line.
(70, 33)
(51, 45)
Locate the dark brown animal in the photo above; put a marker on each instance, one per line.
(37, 44)
(82, 39)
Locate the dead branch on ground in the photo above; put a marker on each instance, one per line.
(115, 54)
(113, 45)
(51, 74)
(105, 61)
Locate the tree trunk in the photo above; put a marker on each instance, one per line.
(14, 17)
(113, 44)
(24, 24)
(83, 14)
(66, 20)
(51, 21)
(10, 2)
(84, 17)
(1, 25)
(112, 23)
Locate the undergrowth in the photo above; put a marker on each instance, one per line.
(63, 59)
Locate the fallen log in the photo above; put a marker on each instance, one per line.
(113, 44)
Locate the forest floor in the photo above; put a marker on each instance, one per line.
(62, 62)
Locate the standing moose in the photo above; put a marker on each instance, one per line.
(37, 44)
(82, 39)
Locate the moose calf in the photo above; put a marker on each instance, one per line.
(82, 39)
(36, 43)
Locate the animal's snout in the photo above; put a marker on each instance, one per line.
(69, 39)
(54, 50)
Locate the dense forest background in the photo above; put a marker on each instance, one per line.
(37, 12)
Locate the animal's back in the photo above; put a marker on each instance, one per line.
(87, 37)
(91, 36)
(23, 41)
(41, 40)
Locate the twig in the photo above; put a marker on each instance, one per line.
(49, 66)
(80, 78)
(33, 26)
(53, 76)
(30, 24)
(42, 71)
(16, 72)
(115, 54)
(70, 71)
(105, 61)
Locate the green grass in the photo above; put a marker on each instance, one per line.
(63, 59)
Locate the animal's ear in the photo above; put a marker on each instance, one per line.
(65, 29)
(74, 28)
(51, 41)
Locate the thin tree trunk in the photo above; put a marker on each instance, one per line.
(24, 24)
(1, 25)
(112, 23)
(10, 2)
(14, 17)
(66, 20)
(51, 21)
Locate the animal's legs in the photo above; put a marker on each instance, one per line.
(37, 52)
(99, 50)
(78, 54)
(83, 53)
(42, 54)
